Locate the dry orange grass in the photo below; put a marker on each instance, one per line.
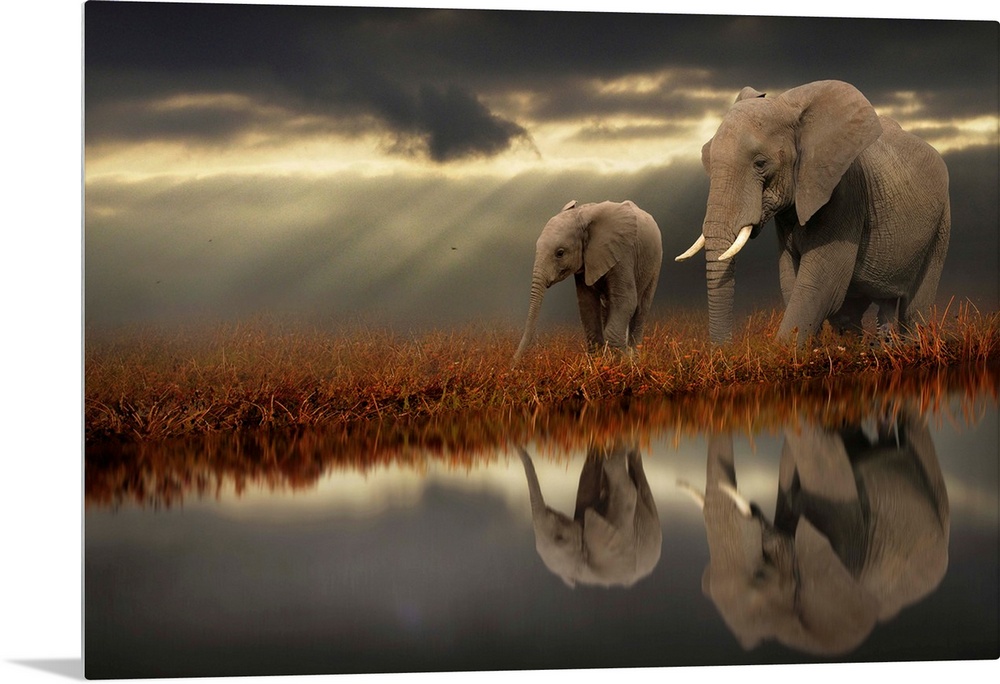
(148, 385)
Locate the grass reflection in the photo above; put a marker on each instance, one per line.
(163, 473)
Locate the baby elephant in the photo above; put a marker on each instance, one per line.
(614, 251)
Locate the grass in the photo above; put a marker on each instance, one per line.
(152, 385)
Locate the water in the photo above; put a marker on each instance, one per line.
(342, 553)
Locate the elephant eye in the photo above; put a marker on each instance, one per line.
(760, 163)
(560, 253)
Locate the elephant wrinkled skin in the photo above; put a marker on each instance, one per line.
(861, 209)
(614, 251)
(614, 536)
(860, 531)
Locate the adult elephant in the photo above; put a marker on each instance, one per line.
(614, 537)
(860, 531)
(614, 251)
(860, 206)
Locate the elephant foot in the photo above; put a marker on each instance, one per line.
(613, 353)
(884, 331)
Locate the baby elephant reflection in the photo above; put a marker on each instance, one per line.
(860, 531)
(614, 535)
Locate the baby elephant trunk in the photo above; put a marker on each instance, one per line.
(534, 306)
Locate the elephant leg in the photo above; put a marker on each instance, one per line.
(788, 264)
(916, 435)
(622, 305)
(820, 462)
(807, 309)
(622, 495)
(645, 496)
(591, 313)
(850, 315)
(887, 316)
(637, 326)
(820, 289)
(589, 489)
(910, 309)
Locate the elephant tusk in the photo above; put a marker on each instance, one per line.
(696, 495)
(742, 504)
(738, 243)
(693, 249)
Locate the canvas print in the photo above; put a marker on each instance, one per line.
(414, 342)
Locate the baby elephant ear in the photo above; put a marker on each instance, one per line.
(836, 123)
(569, 205)
(610, 230)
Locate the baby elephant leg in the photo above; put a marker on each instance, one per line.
(621, 309)
(592, 313)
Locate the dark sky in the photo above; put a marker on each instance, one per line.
(396, 165)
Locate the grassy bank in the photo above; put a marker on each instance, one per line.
(150, 385)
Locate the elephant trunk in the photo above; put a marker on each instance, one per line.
(720, 279)
(734, 529)
(534, 490)
(538, 288)
(734, 208)
(725, 522)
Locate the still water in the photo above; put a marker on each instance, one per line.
(846, 526)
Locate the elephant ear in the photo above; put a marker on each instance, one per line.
(835, 124)
(706, 156)
(610, 229)
(836, 613)
(745, 94)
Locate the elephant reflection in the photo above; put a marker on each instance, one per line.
(860, 531)
(614, 536)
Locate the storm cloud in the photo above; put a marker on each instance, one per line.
(342, 64)
(425, 73)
